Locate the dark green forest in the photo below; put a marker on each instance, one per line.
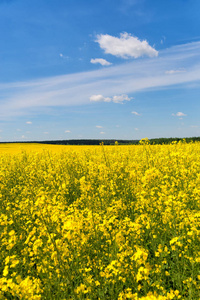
(156, 141)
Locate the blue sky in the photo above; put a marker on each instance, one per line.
(109, 69)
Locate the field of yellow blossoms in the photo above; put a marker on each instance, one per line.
(100, 222)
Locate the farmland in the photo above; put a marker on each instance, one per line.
(100, 222)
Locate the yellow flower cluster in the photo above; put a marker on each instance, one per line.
(100, 222)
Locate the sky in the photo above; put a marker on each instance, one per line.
(109, 69)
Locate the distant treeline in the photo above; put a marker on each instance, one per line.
(157, 141)
(92, 142)
(160, 141)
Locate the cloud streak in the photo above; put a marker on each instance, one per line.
(170, 72)
(23, 98)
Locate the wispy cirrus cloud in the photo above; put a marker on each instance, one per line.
(170, 72)
(107, 84)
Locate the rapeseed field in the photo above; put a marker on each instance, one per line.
(103, 222)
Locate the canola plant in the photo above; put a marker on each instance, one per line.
(100, 222)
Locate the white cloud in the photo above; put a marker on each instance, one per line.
(115, 99)
(102, 132)
(46, 132)
(135, 113)
(136, 129)
(179, 114)
(28, 122)
(121, 98)
(98, 126)
(67, 131)
(100, 61)
(99, 98)
(126, 46)
(170, 72)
